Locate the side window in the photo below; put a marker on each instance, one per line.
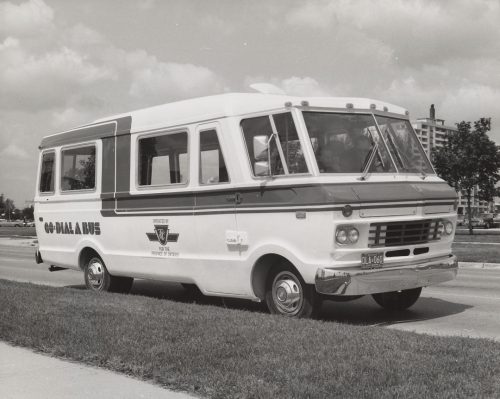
(290, 143)
(163, 159)
(47, 173)
(288, 138)
(212, 166)
(78, 168)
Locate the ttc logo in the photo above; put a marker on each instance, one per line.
(162, 234)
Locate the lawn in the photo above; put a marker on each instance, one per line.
(477, 248)
(17, 231)
(220, 353)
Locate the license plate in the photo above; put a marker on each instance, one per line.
(372, 260)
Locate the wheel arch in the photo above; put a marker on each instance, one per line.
(87, 253)
(263, 267)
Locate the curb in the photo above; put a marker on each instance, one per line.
(478, 265)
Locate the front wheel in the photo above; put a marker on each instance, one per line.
(288, 295)
(97, 278)
(398, 300)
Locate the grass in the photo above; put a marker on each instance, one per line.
(478, 238)
(17, 231)
(481, 250)
(222, 353)
(477, 253)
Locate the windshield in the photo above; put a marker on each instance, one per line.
(404, 145)
(345, 143)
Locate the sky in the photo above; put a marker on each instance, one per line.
(64, 63)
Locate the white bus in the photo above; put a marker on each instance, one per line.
(287, 200)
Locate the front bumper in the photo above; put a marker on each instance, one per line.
(398, 277)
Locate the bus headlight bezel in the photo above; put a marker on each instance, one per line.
(346, 235)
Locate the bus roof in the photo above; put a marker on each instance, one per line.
(235, 104)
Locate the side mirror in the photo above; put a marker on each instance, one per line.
(261, 155)
(261, 168)
(261, 148)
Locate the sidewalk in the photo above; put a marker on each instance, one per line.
(26, 374)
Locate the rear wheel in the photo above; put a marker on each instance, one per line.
(288, 295)
(398, 300)
(97, 278)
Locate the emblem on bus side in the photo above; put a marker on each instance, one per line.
(162, 234)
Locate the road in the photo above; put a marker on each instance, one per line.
(467, 306)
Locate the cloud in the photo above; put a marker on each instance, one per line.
(160, 82)
(13, 151)
(26, 19)
(426, 29)
(31, 81)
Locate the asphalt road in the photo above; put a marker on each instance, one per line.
(467, 306)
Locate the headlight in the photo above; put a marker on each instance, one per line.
(448, 227)
(341, 236)
(353, 235)
(347, 235)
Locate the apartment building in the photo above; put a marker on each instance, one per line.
(432, 133)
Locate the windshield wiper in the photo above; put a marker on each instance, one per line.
(396, 151)
(371, 156)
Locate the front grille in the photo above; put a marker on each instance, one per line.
(403, 233)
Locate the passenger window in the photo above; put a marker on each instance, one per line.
(288, 138)
(163, 160)
(47, 173)
(78, 168)
(212, 166)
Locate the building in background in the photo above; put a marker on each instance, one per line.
(432, 133)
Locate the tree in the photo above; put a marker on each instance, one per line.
(28, 213)
(469, 159)
(9, 208)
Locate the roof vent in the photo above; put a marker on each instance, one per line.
(267, 88)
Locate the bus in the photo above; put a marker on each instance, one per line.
(286, 200)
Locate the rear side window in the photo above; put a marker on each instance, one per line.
(78, 168)
(163, 160)
(291, 148)
(47, 173)
(212, 166)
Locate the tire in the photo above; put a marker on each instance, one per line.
(288, 295)
(97, 278)
(398, 300)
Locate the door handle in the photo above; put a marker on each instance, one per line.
(236, 198)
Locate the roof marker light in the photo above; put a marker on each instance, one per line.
(386, 109)
(288, 104)
(304, 103)
(407, 112)
(349, 105)
(373, 106)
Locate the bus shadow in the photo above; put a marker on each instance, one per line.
(176, 292)
(365, 311)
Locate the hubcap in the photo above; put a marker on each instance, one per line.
(95, 274)
(287, 293)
